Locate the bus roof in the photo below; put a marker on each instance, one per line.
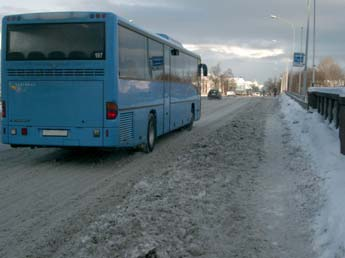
(70, 16)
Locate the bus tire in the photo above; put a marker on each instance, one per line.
(189, 126)
(151, 134)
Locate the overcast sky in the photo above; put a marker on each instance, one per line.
(239, 34)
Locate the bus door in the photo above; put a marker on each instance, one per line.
(167, 84)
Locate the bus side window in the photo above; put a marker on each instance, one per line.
(177, 68)
(184, 69)
(133, 61)
(156, 60)
(167, 51)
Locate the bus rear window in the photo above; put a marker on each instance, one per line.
(68, 41)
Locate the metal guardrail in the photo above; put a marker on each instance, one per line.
(298, 98)
(330, 103)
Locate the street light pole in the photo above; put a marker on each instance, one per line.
(275, 17)
(306, 53)
(300, 72)
(314, 37)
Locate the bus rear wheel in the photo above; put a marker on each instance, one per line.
(189, 126)
(151, 134)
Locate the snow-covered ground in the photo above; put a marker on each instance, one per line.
(2, 146)
(239, 191)
(242, 183)
(320, 140)
(49, 195)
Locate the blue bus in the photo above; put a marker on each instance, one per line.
(85, 79)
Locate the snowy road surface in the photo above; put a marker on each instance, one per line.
(232, 187)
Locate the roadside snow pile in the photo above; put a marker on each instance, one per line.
(191, 208)
(321, 141)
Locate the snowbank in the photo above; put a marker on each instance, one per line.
(321, 141)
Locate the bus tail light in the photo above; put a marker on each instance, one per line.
(112, 111)
(3, 113)
(24, 131)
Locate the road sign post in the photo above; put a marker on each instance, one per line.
(298, 59)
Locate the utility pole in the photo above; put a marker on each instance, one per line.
(289, 81)
(306, 53)
(314, 37)
(292, 55)
(300, 71)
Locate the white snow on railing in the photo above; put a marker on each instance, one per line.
(332, 90)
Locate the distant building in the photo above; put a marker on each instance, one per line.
(204, 85)
(244, 87)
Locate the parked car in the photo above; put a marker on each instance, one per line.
(214, 94)
(230, 93)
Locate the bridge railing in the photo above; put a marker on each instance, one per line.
(330, 103)
(298, 98)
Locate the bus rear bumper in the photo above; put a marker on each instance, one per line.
(60, 137)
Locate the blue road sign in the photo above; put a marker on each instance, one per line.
(298, 59)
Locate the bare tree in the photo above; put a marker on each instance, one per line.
(225, 78)
(255, 88)
(329, 73)
(215, 75)
(272, 84)
(221, 79)
(232, 84)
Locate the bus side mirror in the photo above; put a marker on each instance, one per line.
(204, 69)
(175, 52)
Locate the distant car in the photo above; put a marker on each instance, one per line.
(257, 94)
(214, 94)
(230, 93)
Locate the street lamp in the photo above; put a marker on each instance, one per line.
(275, 17)
(306, 52)
(314, 35)
(300, 72)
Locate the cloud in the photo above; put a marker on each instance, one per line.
(141, 3)
(238, 33)
(231, 52)
(116, 5)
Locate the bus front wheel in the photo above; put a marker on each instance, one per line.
(151, 134)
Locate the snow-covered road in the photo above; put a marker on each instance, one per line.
(232, 187)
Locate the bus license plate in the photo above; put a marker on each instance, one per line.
(57, 133)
